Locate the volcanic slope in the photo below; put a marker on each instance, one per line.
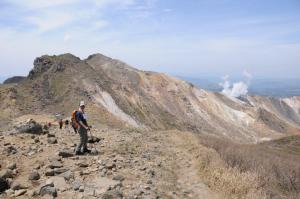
(119, 95)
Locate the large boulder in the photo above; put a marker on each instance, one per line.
(30, 126)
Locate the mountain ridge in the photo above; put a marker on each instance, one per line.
(119, 95)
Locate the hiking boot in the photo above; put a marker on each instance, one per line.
(86, 151)
(79, 153)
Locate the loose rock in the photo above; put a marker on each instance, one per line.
(49, 172)
(48, 189)
(81, 188)
(93, 139)
(65, 153)
(60, 171)
(112, 194)
(6, 173)
(110, 165)
(59, 183)
(68, 175)
(83, 164)
(10, 192)
(34, 175)
(16, 185)
(12, 166)
(20, 192)
(55, 164)
(50, 135)
(118, 177)
(76, 185)
(36, 140)
(3, 185)
(52, 140)
(11, 150)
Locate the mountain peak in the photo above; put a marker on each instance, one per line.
(98, 56)
(56, 63)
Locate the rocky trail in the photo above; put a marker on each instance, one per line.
(186, 150)
(124, 164)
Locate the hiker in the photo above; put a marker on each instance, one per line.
(66, 123)
(60, 122)
(81, 120)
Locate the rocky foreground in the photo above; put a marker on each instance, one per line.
(123, 164)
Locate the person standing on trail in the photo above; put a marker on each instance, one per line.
(66, 123)
(60, 123)
(81, 119)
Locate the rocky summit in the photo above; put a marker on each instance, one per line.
(153, 136)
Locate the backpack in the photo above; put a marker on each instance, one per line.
(73, 119)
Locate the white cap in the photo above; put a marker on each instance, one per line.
(81, 103)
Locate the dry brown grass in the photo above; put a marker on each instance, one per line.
(228, 181)
(273, 166)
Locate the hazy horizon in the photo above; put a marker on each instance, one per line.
(272, 87)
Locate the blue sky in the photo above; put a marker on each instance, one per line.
(188, 38)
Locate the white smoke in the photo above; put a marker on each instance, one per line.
(236, 89)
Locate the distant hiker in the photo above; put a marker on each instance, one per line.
(60, 123)
(81, 120)
(66, 123)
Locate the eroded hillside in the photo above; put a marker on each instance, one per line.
(119, 95)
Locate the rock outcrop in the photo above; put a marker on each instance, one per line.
(31, 127)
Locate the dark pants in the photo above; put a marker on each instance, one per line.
(83, 139)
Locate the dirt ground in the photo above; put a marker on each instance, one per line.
(161, 164)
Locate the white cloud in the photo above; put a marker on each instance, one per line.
(50, 21)
(46, 16)
(99, 24)
(131, 31)
(119, 3)
(67, 37)
(38, 4)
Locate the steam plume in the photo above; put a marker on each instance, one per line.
(237, 89)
